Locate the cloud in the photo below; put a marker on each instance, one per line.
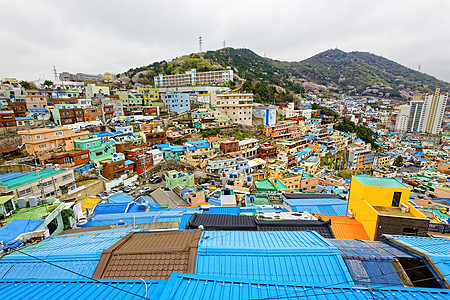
(112, 36)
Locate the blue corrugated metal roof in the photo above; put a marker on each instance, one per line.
(120, 197)
(110, 208)
(219, 210)
(327, 206)
(15, 228)
(76, 252)
(147, 201)
(188, 286)
(137, 218)
(437, 249)
(301, 256)
(12, 175)
(82, 289)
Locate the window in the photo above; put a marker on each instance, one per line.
(59, 133)
(42, 146)
(68, 176)
(84, 156)
(47, 183)
(38, 137)
(23, 137)
(396, 199)
(24, 192)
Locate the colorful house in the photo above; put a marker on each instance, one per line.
(381, 205)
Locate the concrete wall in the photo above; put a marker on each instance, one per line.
(5, 169)
(118, 181)
(89, 189)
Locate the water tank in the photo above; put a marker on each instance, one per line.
(32, 201)
(22, 203)
(249, 178)
(213, 182)
(226, 191)
(252, 199)
(48, 167)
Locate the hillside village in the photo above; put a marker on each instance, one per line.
(188, 188)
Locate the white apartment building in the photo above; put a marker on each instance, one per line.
(237, 106)
(93, 90)
(433, 112)
(402, 118)
(193, 78)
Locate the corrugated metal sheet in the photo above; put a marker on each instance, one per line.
(232, 211)
(319, 226)
(435, 249)
(373, 272)
(368, 250)
(327, 206)
(182, 286)
(134, 218)
(81, 289)
(301, 256)
(346, 228)
(76, 252)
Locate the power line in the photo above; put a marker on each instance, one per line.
(81, 275)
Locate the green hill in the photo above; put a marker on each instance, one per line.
(352, 73)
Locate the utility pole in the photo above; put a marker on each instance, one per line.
(200, 41)
(55, 73)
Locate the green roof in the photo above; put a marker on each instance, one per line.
(4, 199)
(265, 185)
(380, 182)
(258, 200)
(13, 183)
(36, 212)
(306, 176)
(280, 185)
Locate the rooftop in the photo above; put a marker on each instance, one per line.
(380, 182)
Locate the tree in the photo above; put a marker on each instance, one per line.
(25, 84)
(48, 83)
(398, 161)
(346, 174)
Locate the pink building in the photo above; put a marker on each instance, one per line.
(36, 99)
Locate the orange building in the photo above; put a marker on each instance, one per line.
(42, 139)
(284, 129)
(7, 118)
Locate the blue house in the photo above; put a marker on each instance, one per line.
(177, 102)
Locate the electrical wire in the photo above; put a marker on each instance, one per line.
(81, 275)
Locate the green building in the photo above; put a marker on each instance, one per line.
(175, 178)
(97, 149)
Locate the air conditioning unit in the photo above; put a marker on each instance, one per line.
(57, 167)
(404, 208)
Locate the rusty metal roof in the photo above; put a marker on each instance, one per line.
(150, 255)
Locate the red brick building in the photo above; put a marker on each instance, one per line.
(142, 161)
(68, 116)
(7, 118)
(92, 114)
(19, 108)
(108, 112)
(267, 151)
(69, 158)
(112, 169)
(228, 146)
(122, 147)
(150, 111)
(155, 138)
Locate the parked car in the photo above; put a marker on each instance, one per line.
(125, 189)
(131, 186)
(155, 179)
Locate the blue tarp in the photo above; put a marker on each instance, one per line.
(15, 228)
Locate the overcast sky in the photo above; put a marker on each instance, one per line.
(113, 36)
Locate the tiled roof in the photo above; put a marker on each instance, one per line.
(345, 227)
(150, 255)
(221, 222)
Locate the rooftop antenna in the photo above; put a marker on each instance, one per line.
(420, 67)
(200, 41)
(224, 45)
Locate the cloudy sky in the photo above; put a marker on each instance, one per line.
(113, 36)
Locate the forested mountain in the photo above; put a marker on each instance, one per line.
(352, 73)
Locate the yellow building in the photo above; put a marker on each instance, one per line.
(150, 96)
(109, 77)
(381, 205)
